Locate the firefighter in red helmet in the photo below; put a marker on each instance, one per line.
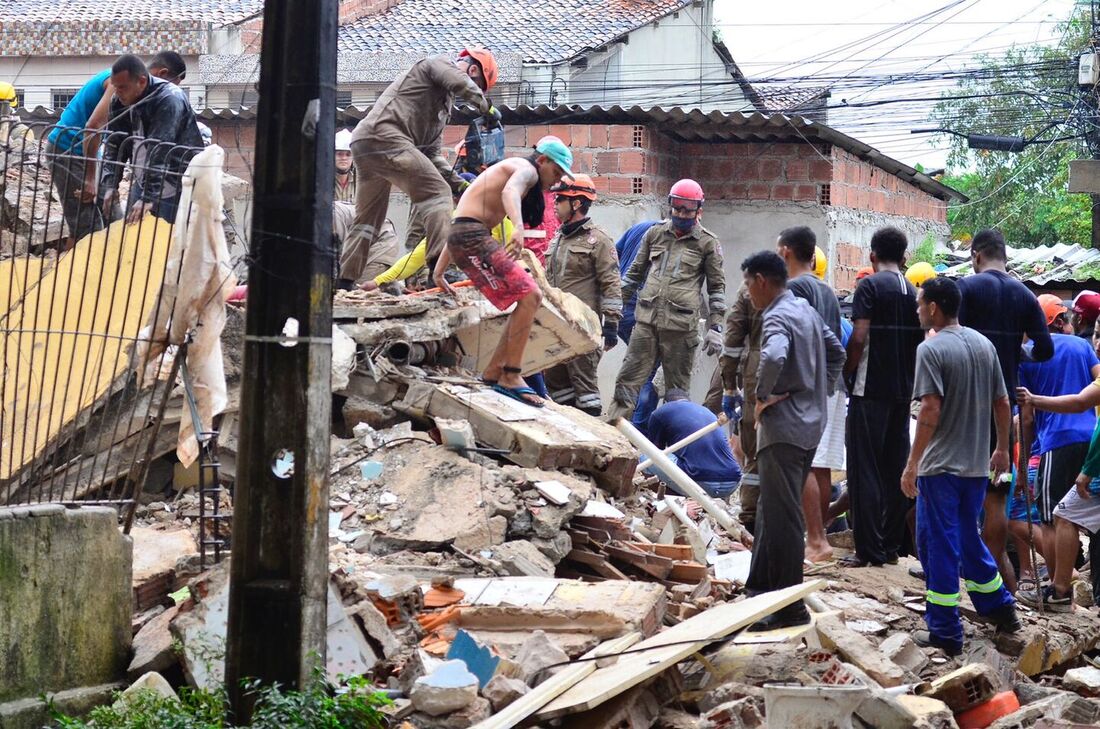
(676, 258)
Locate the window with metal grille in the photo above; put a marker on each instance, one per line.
(62, 97)
(343, 99)
(19, 94)
(636, 185)
(824, 194)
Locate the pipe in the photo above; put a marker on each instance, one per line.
(411, 353)
(689, 487)
(722, 420)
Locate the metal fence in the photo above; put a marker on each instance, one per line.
(86, 383)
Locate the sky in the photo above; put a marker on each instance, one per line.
(842, 44)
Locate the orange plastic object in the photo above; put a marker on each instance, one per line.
(459, 285)
(438, 597)
(434, 621)
(985, 714)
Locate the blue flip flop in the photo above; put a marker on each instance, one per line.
(517, 393)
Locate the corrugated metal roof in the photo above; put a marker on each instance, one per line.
(1042, 266)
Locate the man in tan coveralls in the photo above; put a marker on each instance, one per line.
(399, 144)
(583, 262)
(674, 260)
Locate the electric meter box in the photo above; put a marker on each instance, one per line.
(1088, 69)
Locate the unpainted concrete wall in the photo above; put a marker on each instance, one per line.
(65, 599)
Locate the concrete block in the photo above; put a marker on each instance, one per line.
(964, 688)
(502, 691)
(856, 649)
(523, 559)
(154, 647)
(151, 681)
(538, 654)
(34, 713)
(1084, 680)
(448, 688)
(64, 622)
(901, 649)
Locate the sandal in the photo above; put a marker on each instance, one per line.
(519, 393)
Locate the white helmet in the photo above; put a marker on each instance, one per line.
(343, 141)
(206, 134)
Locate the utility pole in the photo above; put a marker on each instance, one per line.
(1092, 137)
(279, 564)
(1084, 174)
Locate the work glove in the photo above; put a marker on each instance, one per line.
(610, 334)
(712, 344)
(492, 117)
(731, 406)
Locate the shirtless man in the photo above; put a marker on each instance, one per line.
(513, 189)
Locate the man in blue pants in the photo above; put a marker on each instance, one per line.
(958, 382)
(627, 248)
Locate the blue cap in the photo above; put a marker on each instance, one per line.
(468, 176)
(556, 150)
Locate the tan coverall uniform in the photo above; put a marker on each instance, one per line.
(344, 193)
(670, 272)
(399, 144)
(739, 362)
(584, 263)
(355, 257)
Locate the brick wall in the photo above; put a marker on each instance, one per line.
(238, 139)
(861, 185)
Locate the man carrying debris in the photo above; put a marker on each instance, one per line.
(582, 262)
(959, 384)
(149, 108)
(675, 259)
(399, 143)
(800, 363)
(1003, 310)
(797, 247)
(708, 461)
(739, 362)
(513, 189)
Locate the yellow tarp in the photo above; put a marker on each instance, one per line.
(69, 338)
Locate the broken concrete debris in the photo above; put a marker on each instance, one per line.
(448, 688)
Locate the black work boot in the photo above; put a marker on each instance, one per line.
(1005, 619)
(788, 617)
(925, 639)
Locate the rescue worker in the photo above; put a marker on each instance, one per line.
(820, 263)
(399, 143)
(582, 262)
(739, 362)
(676, 257)
(345, 174)
(12, 128)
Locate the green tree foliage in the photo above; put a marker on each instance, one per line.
(1029, 92)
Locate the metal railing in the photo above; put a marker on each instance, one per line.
(83, 404)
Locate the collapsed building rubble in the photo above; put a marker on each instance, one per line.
(494, 565)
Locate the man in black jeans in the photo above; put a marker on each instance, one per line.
(1003, 310)
(882, 353)
(157, 114)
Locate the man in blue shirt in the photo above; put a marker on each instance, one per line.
(627, 248)
(1063, 437)
(708, 461)
(1003, 311)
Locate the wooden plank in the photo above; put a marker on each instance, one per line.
(597, 562)
(681, 552)
(554, 686)
(668, 649)
(692, 572)
(651, 564)
(579, 538)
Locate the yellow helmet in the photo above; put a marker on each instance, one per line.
(918, 273)
(821, 262)
(7, 93)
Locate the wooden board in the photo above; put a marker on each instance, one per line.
(552, 687)
(632, 669)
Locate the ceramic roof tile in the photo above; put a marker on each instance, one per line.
(541, 31)
(64, 12)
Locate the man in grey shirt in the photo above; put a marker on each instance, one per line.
(800, 365)
(958, 382)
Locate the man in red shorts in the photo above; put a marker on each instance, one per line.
(513, 189)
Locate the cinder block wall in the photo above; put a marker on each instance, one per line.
(64, 599)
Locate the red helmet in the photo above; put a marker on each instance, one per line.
(484, 58)
(686, 190)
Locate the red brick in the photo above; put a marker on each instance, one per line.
(805, 193)
(582, 161)
(514, 137)
(746, 170)
(621, 186)
(580, 135)
(535, 132)
(602, 184)
(759, 191)
(620, 136)
(562, 132)
(821, 171)
(769, 169)
(782, 192)
(797, 170)
(606, 163)
(597, 135)
(783, 150)
(631, 163)
(863, 199)
(738, 191)
(723, 169)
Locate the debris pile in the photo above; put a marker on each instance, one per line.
(494, 565)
